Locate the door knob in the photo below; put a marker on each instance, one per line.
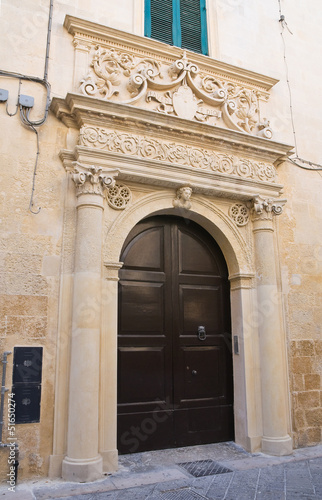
(194, 372)
(202, 333)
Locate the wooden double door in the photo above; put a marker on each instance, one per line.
(175, 384)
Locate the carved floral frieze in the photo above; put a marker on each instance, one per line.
(180, 154)
(180, 89)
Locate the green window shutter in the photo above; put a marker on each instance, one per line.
(178, 22)
(190, 25)
(158, 20)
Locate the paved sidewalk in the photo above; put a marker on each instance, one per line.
(157, 475)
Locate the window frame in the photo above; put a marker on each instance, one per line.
(176, 24)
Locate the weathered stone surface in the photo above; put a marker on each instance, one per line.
(212, 140)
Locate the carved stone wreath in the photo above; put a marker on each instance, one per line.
(118, 196)
(179, 89)
(239, 213)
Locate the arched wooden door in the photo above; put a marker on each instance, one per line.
(174, 344)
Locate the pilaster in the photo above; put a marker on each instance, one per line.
(83, 461)
(275, 440)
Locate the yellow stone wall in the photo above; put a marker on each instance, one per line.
(300, 231)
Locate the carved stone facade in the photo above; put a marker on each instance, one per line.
(138, 128)
(179, 89)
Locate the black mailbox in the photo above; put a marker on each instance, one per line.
(27, 371)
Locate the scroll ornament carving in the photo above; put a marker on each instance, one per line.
(152, 149)
(118, 196)
(182, 199)
(240, 214)
(92, 179)
(265, 208)
(179, 89)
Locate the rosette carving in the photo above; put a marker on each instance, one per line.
(118, 196)
(239, 213)
(179, 89)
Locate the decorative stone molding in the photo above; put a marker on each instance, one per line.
(179, 89)
(92, 179)
(239, 213)
(265, 208)
(182, 199)
(111, 270)
(118, 196)
(153, 149)
(242, 281)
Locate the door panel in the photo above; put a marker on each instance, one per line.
(146, 250)
(142, 307)
(200, 305)
(140, 388)
(194, 256)
(202, 380)
(174, 384)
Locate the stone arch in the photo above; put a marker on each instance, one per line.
(203, 212)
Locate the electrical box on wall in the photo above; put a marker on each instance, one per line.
(26, 100)
(4, 94)
(26, 380)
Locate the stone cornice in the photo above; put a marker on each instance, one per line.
(156, 173)
(79, 110)
(97, 33)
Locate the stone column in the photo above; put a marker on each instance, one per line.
(275, 440)
(83, 461)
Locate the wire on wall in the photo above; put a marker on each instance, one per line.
(25, 111)
(295, 160)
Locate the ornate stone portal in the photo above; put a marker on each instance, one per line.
(182, 133)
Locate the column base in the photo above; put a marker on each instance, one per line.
(110, 461)
(82, 471)
(253, 444)
(277, 446)
(55, 465)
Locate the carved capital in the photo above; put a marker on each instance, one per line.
(182, 199)
(92, 179)
(265, 208)
(81, 44)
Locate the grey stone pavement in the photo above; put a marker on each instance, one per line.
(157, 476)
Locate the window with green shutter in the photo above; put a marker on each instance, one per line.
(178, 22)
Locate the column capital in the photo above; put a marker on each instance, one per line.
(90, 179)
(265, 208)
